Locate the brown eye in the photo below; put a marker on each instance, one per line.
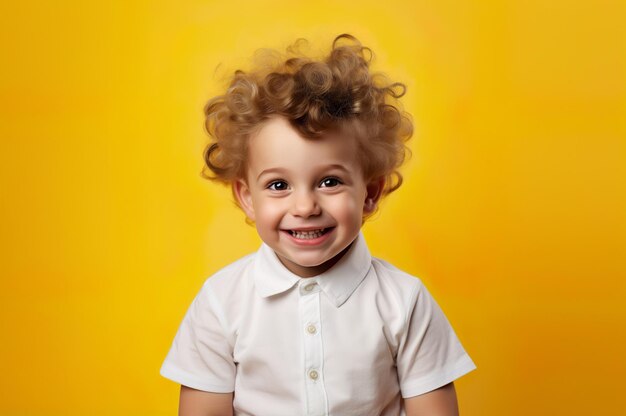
(278, 186)
(329, 182)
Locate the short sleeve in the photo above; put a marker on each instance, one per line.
(201, 356)
(429, 355)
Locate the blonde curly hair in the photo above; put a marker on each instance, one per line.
(315, 96)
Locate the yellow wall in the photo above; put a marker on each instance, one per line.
(513, 212)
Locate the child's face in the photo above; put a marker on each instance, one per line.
(306, 196)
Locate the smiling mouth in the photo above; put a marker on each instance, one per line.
(308, 234)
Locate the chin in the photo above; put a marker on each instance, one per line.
(309, 263)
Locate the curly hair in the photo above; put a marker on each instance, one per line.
(338, 91)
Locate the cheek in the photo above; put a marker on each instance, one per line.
(268, 213)
(347, 210)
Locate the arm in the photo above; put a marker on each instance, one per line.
(439, 402)
(201, 403)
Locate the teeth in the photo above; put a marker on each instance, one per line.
(307, 235)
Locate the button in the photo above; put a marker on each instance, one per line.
(313, 375)
(311, 329)
(309, 287)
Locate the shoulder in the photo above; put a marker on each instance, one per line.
(224, 292)
(395, 280)
(392, 291)
(231, 279)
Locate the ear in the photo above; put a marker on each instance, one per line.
(374, 192)
(244, 197)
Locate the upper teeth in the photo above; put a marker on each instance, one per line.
(306, 235)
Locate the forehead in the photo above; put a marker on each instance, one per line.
(278, 142)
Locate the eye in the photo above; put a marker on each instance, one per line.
(329, 182)
(278, 186)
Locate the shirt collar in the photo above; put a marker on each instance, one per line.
(271, 277)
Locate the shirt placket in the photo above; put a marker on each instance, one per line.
(313, 371)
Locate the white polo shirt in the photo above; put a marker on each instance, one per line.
(351, 341)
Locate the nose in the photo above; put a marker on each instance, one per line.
(304, 204)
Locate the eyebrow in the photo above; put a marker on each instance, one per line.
(282, 170)
(270, 170)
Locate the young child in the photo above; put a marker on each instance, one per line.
(311, 324)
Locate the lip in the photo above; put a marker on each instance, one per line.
(309, 242)
(319, 227)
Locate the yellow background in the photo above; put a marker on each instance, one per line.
(513, 212)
